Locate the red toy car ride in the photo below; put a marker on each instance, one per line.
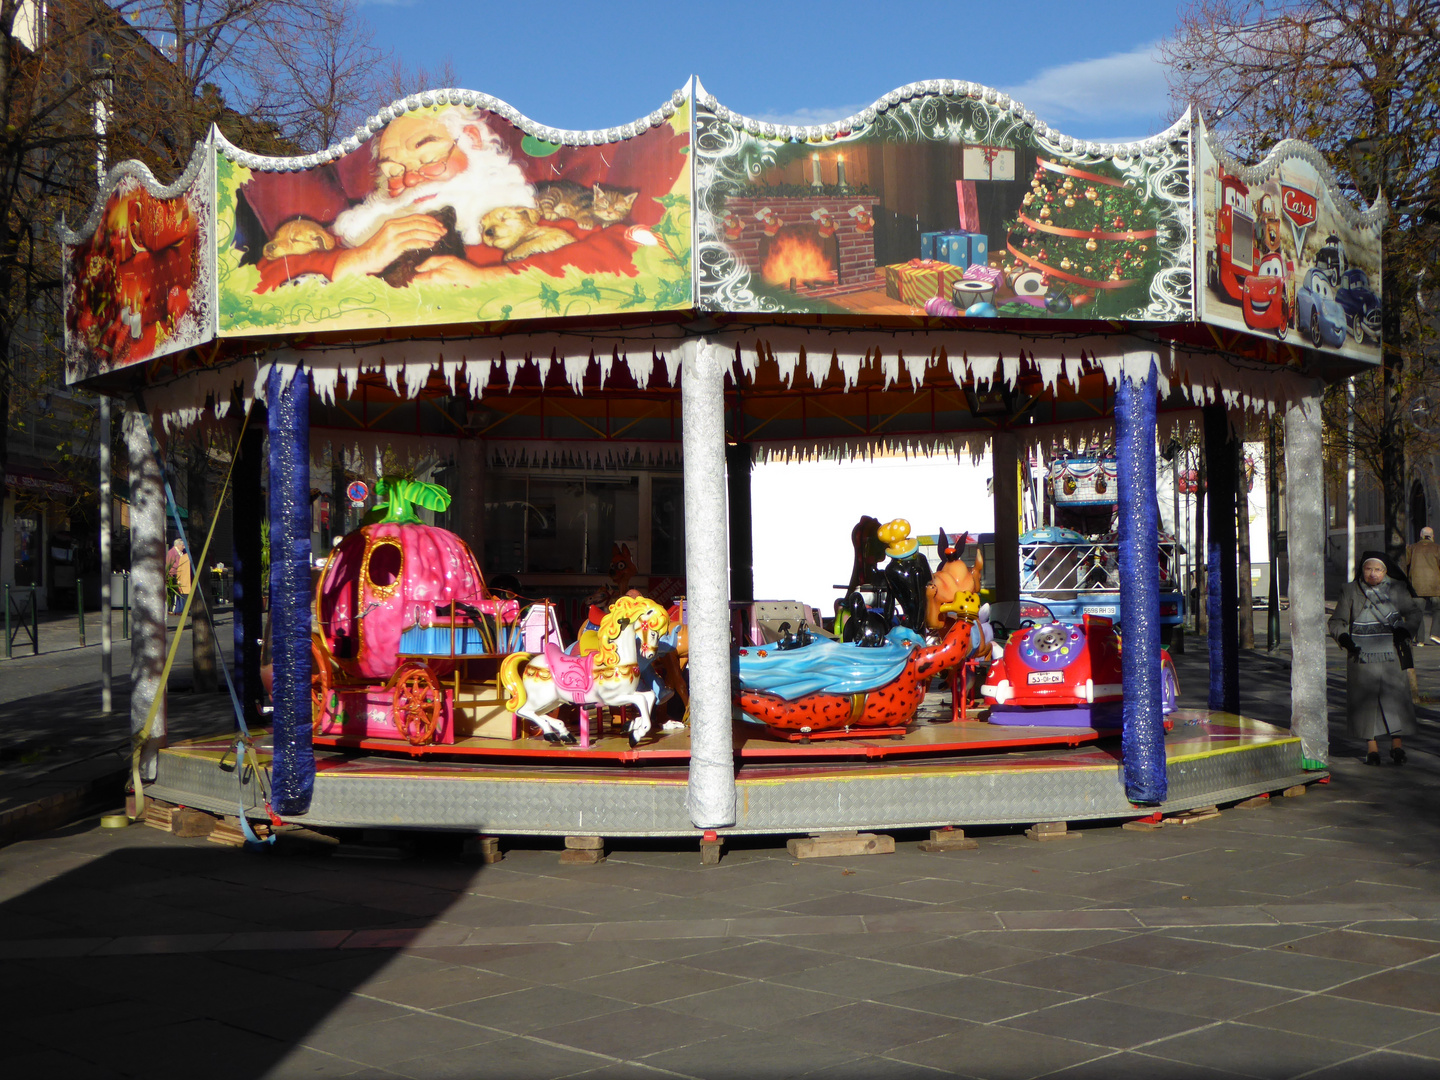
(1065, 675)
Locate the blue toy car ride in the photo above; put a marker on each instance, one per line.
(1317, 312)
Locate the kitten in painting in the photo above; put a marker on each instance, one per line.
(298, 236)
(590, 208)
(516, 230)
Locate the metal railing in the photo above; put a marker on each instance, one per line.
(22, 616)
(1066, 571)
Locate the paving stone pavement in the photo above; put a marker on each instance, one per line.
(1300, 939)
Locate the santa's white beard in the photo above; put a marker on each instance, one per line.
(490, 180)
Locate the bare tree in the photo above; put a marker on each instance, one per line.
(275, 75)
(402, 79)
(280, 75)
(1357, 79)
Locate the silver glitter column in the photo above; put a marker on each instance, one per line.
(711, 797)
(1305, 535)
(147, 586)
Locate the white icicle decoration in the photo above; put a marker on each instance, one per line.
(477, 374)
(1050, 371)
(957, 365)
(915, 365)
(451, 374)
(786, 361)
(889, 368)
(575, 367)
(641, 363)
(817, 366)
(417, 374)
(671, 357)
(984, 370)
(324, 381)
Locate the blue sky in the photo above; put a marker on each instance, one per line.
(1086, 67)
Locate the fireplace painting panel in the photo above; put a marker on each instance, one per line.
(1070, 235)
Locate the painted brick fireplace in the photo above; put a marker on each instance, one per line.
(855, 246)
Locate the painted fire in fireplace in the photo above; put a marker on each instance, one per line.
(847, 257)
(799, 257)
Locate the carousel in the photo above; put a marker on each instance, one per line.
(457, 289)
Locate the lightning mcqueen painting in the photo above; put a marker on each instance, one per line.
(1264, 299)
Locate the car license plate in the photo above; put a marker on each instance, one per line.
(1040, 677)
(1102, 611)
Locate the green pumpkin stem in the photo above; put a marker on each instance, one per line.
(402, 495)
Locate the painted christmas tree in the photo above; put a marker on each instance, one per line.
(1085, 233)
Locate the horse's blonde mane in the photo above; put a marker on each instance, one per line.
(633, 609)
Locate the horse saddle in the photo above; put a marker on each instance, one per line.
(574, 674)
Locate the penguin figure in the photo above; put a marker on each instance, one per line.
(863, 627)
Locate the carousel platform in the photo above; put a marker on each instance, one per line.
(752, 743)
(951, 774)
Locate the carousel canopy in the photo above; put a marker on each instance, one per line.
(942, 234)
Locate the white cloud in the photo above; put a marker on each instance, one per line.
(1115, 90)
(808, 117)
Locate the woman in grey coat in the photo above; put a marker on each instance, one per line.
(1374, 620)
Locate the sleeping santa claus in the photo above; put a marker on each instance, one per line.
(445, 201)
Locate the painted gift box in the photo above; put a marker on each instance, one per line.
(928, 243)
(988, 163)
(982, 272)
(956, 247)
(920, 280)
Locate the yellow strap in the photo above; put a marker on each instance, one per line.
(141, 737)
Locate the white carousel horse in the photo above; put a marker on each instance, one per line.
(538, 684)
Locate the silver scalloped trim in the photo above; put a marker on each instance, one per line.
(452, 96)
(1373, 217)
(139, 171)
(938, 88)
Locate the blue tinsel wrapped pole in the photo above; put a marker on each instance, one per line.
(293, 768)
(1143, 739)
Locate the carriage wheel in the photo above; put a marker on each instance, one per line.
(321, 686)
(416, 703)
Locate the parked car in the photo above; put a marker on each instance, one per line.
(1264, 300)
(1317, 311)
(1361, 305)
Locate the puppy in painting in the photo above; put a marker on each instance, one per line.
(516, 230)
(299, 236)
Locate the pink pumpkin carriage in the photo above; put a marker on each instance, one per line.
(406, 634)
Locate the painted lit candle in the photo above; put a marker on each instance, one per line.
(840, 170)
(815, 170)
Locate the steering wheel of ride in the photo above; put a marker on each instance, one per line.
(322, 686)
(417, 698)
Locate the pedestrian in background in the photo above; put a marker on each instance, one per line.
(177, 566)
(1373, 622)
(1422, 564)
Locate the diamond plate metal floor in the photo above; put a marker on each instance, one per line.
(1212, 758)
